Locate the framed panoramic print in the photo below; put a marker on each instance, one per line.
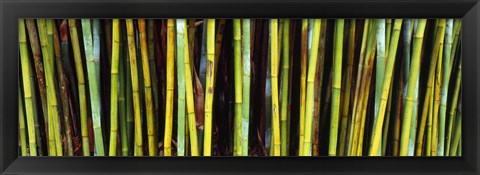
(223, 86)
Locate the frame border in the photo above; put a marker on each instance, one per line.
(11, 10)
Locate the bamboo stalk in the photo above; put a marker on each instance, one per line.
(238, 86)
(303, 84)
(412, 79)
(189, 94)
(148, 88)
(380, 71)
(22, 134)
(312, 66)
(447, 64)
(81, 86)
(93, 82)
(453, 109)
(27, 92)
(318, 90)
(134, 80)
(436, 100)
(209, 87)
(122, 100)
(181, 142)
(246, 85)
(285, 87)
(376, 134)
(170, 91)
(274, 80)
(114, 87)
(456, 147)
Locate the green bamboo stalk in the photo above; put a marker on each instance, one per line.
(380, 69)
(209, 84)
(147, 88)
(114, 85)
(428, 145)
(93, 85)
(25, 62)
(181, 88)
(336, 85)
(189, 94)
(47, 51)
(456, 144)
(81, 86)
(412, 79)
(453, 109)
(303, 84)
(153, 74)
(376, 134)
(246, 85)
(22, 134)
(388, 38)
(238, 86)
(122, 103)
(285, 87)
(447, 64)
(128, 93)
(134, 80)
(436, 100)
(312, 67)
(274, 80)
(428, 92)
(170, 90)
(54, 104)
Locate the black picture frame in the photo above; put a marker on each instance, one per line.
(12, 10)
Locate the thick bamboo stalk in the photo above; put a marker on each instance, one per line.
(181, 131)
(376, 134)
(170, 92)
(147, 88)
(312, 67)
(412, 79)
(380, 70)
(237, 56)
(93, 82)
(209, 85)
(27, 90)
(318, 88)
(436, 100)
(81, 86)
(135, 90)
(246, 85)
(336, 85)
(456, 144)
(114, 87)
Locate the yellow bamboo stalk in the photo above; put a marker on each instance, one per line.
(114, 87)
(136, 96)
(210, 81)
(170, 87)
(274, 77)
